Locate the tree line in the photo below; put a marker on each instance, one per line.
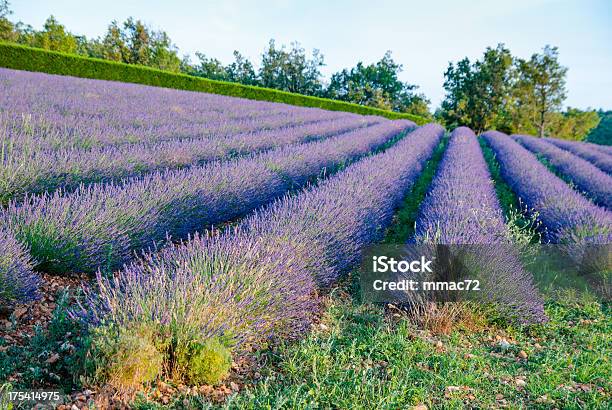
(283, 68)
(498, 91)
(513, 95)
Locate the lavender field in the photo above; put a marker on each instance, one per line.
(194, 230)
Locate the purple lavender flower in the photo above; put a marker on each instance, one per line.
(261, 277)
(59, 132)
(461, 208)
(567, 216)
(101, 226)
(587, 177)
(18, 284)
(592, 154)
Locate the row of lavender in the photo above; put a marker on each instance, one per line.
(103, 225)
(42, 111)
(568, 216)
(25, 171)
(261, 278)
(462, 208)
(598, 155)
(595, 183)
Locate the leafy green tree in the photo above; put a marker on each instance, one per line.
(602, 134)
(136, 43)
(477, 94)
(137, 39)
(377, 85)
(114, 46)
(573, 124)
(291, 70)
(241, 70)
(55, 37)
(208, 68)
(540, 89)
(7, 28)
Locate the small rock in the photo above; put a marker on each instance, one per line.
(520, 382)
(323, 326)
(522, 354)
(19, 312)
(54, 358)
(504, 344)
(542, 399)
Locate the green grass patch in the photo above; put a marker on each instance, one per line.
(404, 220)
(523, 227)
(364, 360)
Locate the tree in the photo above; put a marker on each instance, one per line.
(136, 43)
(540, 88)
(477, 93)
(291, 70)
(114, 46)
(7, 28)
(241, 70)
(573, 124)
(137, 38)
(55, 37)
(209, 68)
(602, 134)
(377, 85)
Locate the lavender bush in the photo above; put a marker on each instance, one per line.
(587, 177)
(567, 216)
(461, 208)
(43, 111)
(592, 154)
(39, 171)
(261, 277)
(18, 284)
(100, 226)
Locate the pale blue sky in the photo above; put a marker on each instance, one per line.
(424, 35)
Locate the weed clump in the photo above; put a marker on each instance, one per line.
(205, 362)
(125, 359)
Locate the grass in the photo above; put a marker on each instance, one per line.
(364, 359)
(524, 228)
(403, 222)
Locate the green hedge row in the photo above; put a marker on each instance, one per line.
(34, 59)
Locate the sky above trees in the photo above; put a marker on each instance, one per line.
(424, 36)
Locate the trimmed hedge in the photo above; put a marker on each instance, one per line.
(35, 59)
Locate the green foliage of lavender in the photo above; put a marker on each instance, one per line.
(567, 215)
(586, 176)
(101, 226)
(462, 208)
(599, 156)
(18, 283)
(261, 278)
